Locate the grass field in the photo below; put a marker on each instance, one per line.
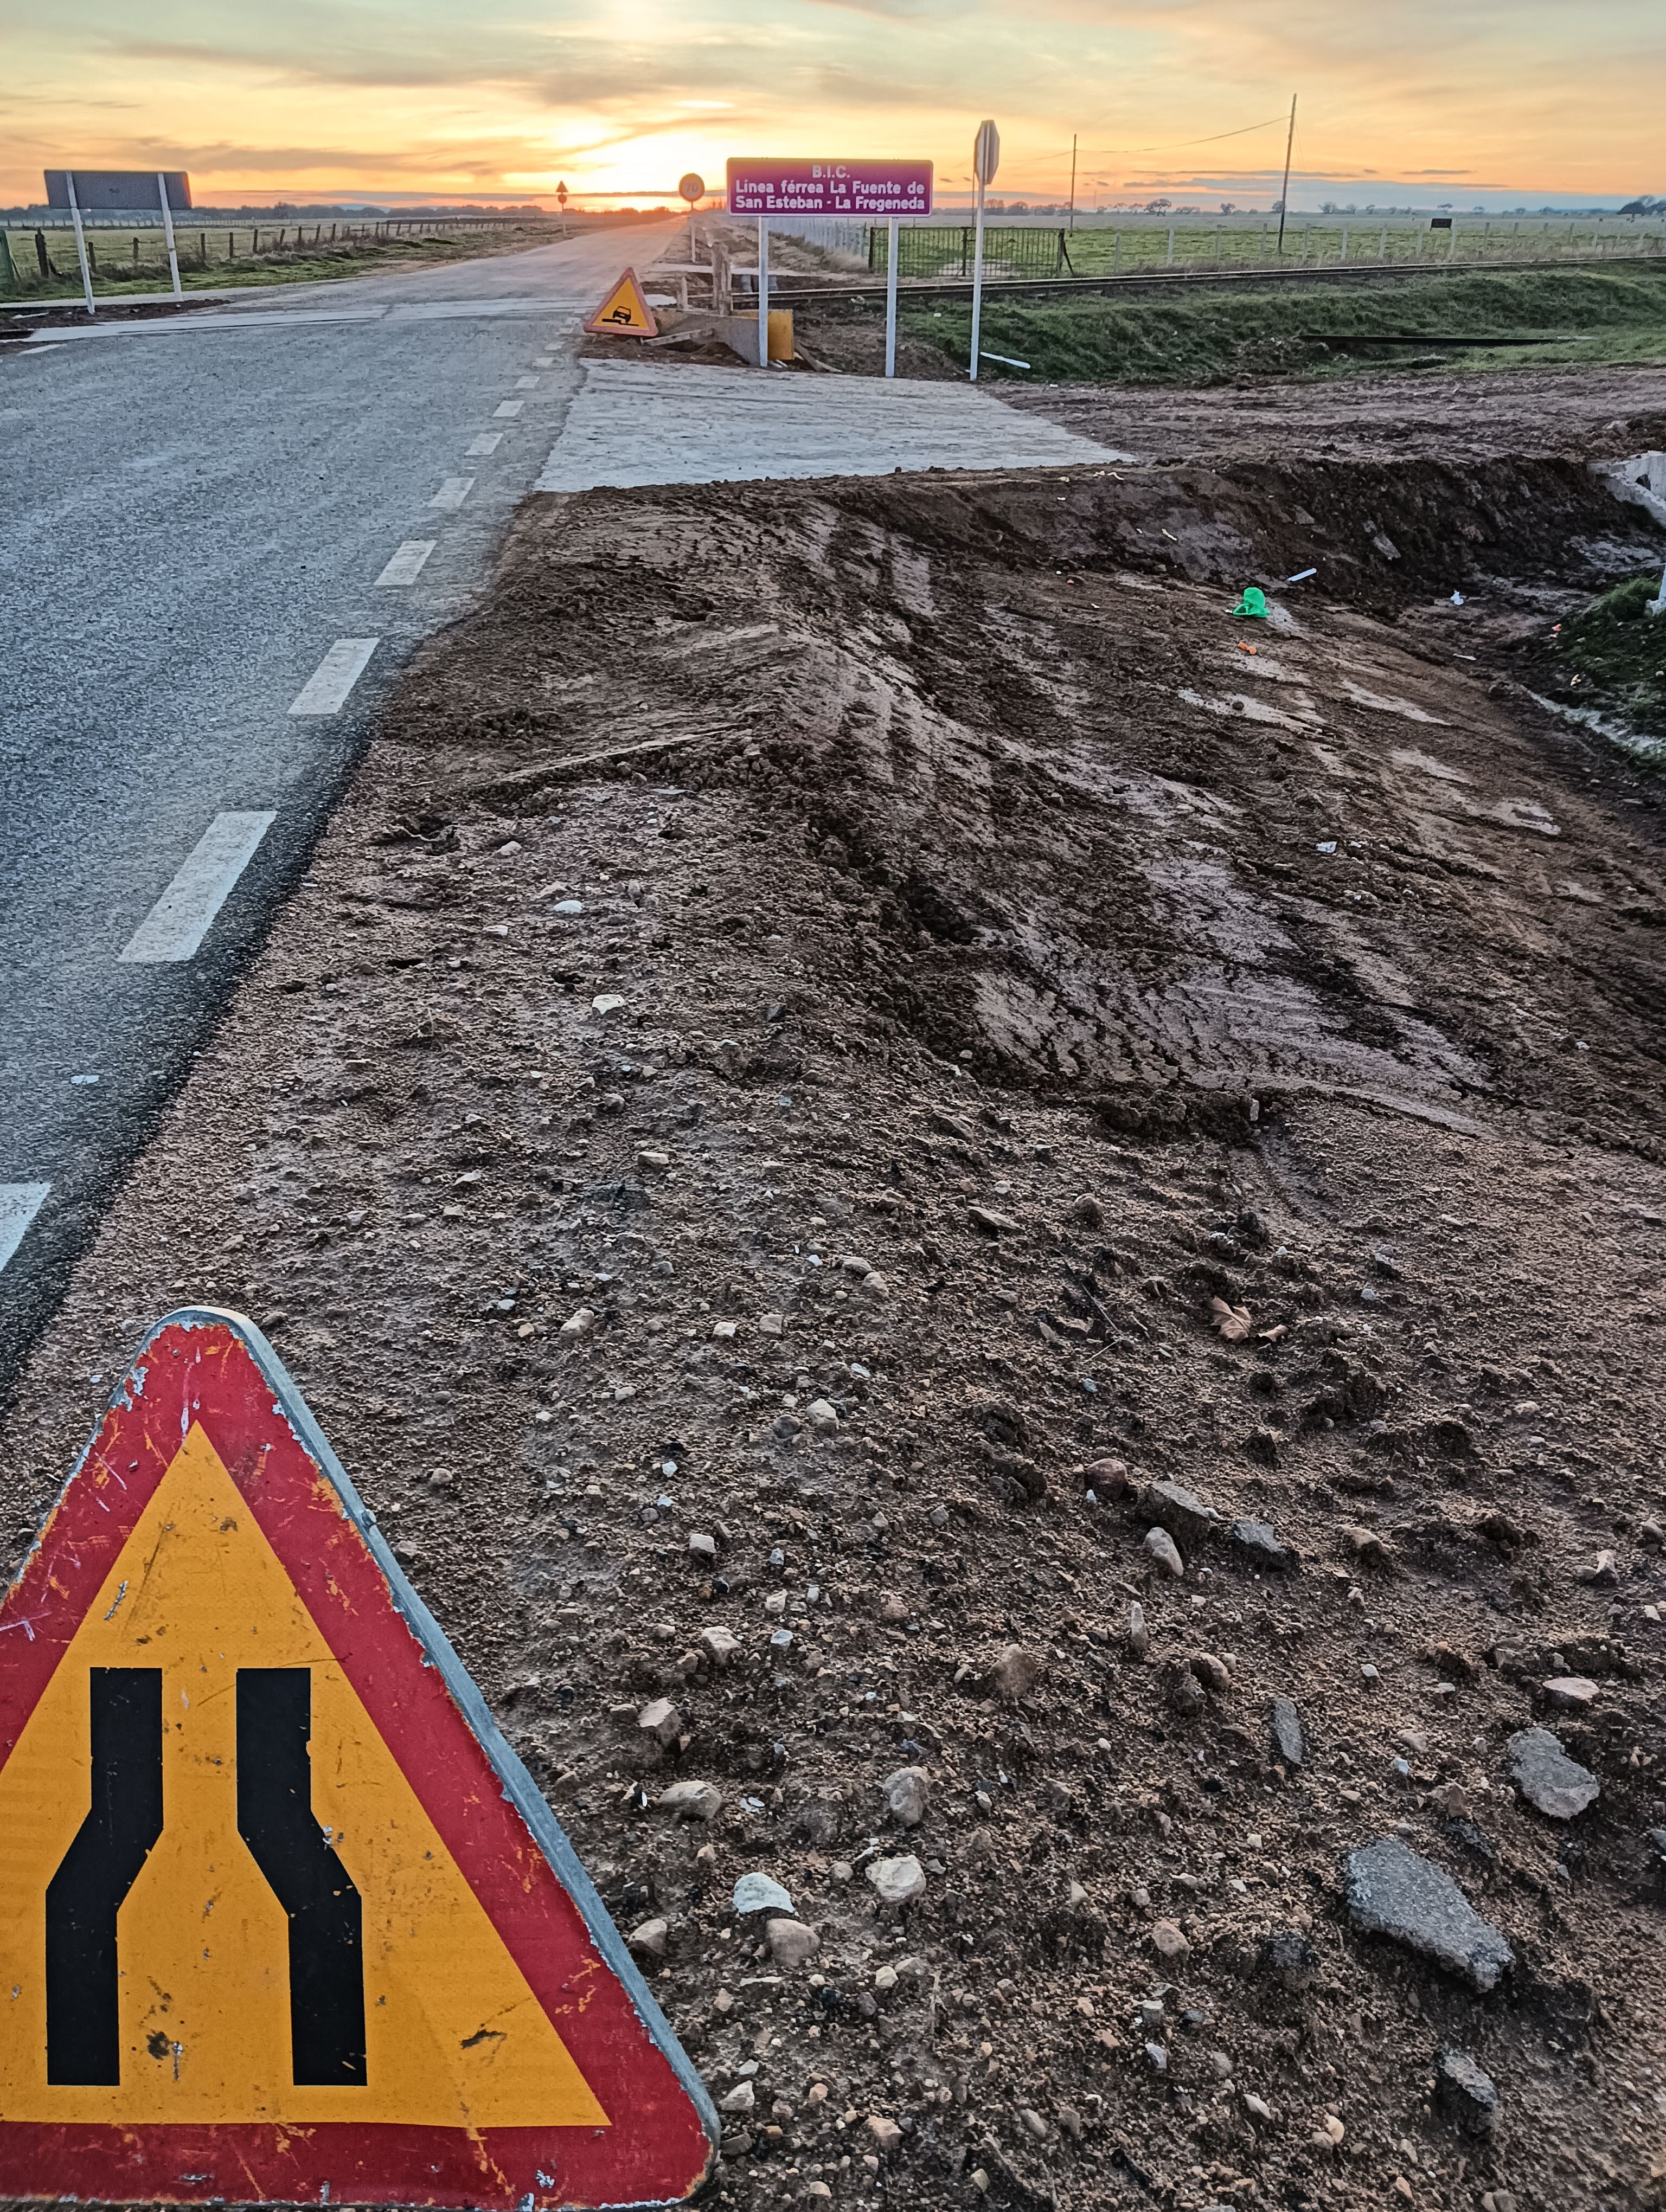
(1135, 245)
(1205, 336)
(212, 256)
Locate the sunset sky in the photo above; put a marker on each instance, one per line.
(1466, 101)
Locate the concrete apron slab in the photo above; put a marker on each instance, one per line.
(654, 425)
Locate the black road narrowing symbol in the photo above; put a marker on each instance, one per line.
(84, 1896)
(274, 1819)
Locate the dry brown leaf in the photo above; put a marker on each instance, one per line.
(1232, 1321)
(1274, 1335)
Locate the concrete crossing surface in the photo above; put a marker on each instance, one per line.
(650, 424)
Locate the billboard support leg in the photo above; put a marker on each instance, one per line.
(891, 300)
(763, 291)
(167, 225)
(81, 242)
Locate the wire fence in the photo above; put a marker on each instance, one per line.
(40, 259)
(945, 252)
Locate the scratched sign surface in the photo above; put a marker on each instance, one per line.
(762, 186)
(282, 1918)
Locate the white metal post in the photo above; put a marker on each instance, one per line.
(891, 299)
(1168, 264)
(81, 241)
(763, 291)
(167, 225)
(977, 284)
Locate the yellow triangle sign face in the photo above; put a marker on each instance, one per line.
(624, 312)
(282, 1918)
(453, 2032)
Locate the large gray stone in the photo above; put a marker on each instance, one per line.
(1556, 1784)
(1394, 1892)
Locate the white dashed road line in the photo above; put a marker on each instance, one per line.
(407, 563)
(180, 920)
(509, 408)
(325, 691)
(19, 1202)
(452, 492)
(487, 442)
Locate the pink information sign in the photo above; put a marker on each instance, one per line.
(762, 186)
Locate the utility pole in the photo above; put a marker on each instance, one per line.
(1073, 180)
(1289, 147)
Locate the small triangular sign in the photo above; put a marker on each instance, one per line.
(625, 312)
(282, 1918)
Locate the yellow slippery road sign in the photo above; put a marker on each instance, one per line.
(624, 312)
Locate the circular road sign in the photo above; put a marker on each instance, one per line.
(692, 187)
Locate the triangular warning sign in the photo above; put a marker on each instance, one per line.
(625, 312)
(282, 1918)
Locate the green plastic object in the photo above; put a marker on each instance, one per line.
(1253, 602)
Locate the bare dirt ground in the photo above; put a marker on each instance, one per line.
(999, 1047)
(1375, 418)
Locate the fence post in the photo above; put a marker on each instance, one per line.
(8, 268)
(1343, 255)
(1382, 245)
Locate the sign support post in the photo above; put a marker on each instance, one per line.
(763, 291)
(81, 242)
(167, 225)
(986, 160)
(890, 299)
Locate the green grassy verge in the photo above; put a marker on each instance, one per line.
(1619, 647)
(1208, 337)
(310, 265)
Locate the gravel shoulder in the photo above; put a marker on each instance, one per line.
(995, 1093)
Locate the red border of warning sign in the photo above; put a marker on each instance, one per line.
(217, 1370)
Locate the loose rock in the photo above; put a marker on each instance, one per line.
(1263, 1544)
(648, 1939)
(1161, 1551)
(692, 1801)
(661, 1720)
(1016, 1671)
(907, 1794)
(1549, 1780)
(791, 1943)
(1288, 1957)
(1179, 1511)
(1170, 1941)
(1394, 1892)
(1284, 1724)
(1466, 2093)
(761, 1892)
(1571, 1693)
(899, 1880)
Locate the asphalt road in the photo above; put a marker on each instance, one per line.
(193, 513)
